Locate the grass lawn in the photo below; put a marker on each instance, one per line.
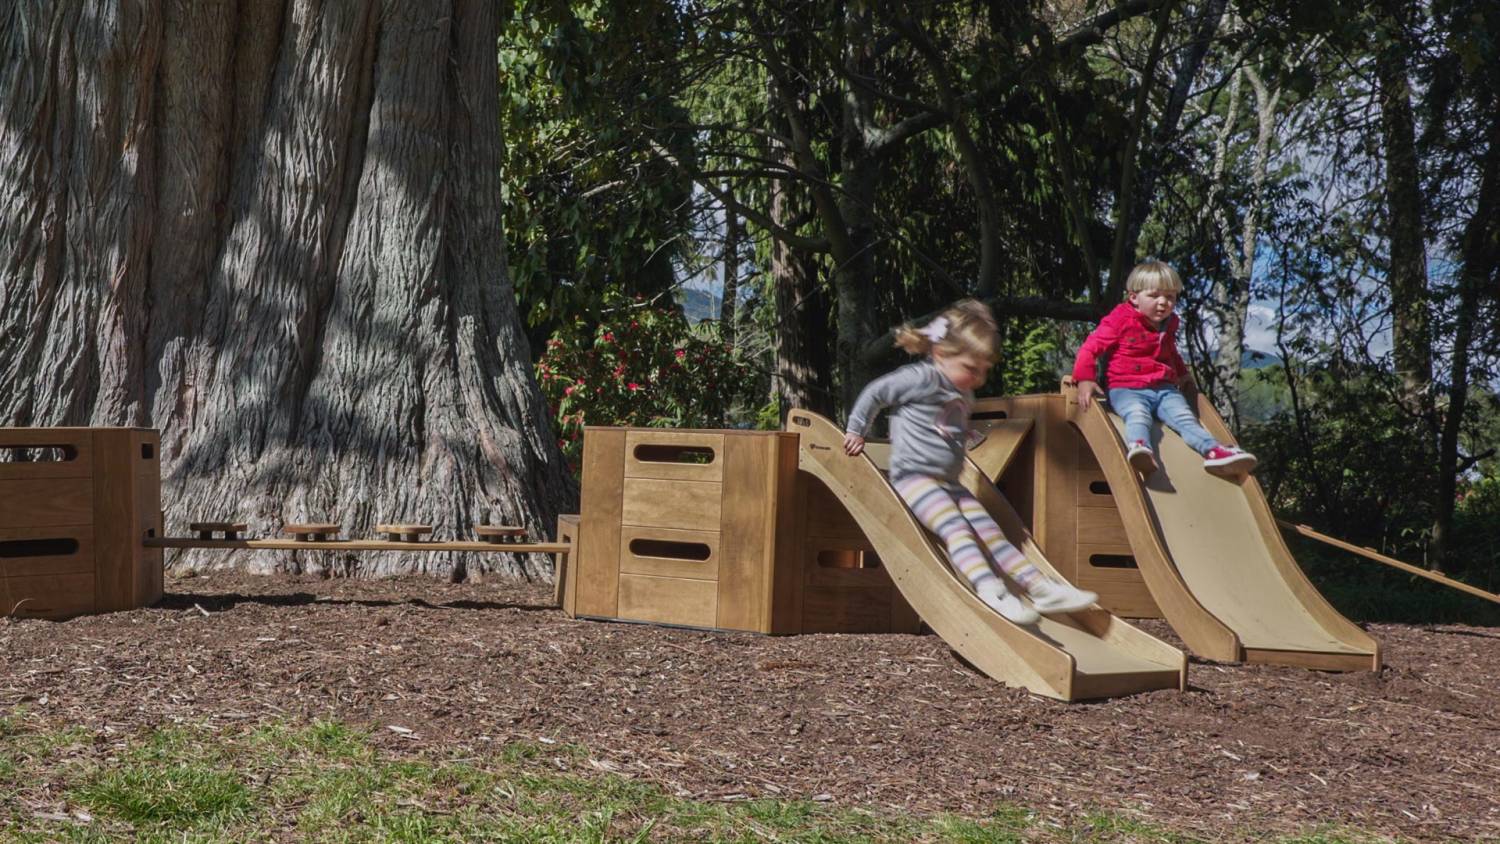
(330, 782)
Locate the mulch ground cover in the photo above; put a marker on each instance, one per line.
(884, 722)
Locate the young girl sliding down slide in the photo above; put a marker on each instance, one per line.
(929, 403)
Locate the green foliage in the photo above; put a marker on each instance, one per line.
(589, 207)
(641, 365)
(1031, 363)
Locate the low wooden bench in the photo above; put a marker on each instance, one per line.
(498, 534)
(313, 532)
(401, 532)
(206, 530)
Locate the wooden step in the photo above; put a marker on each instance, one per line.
(313, 531)
(206, 530)
(499, 533)
(403, 532)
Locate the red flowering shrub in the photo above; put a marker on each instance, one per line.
(642, 366)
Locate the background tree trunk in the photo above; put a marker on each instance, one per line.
(1411, 332)
(272, 231)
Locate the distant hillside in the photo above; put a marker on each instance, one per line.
(698, 305)
(1253, 359)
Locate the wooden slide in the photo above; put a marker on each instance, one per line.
(1089, 654)
(1211, 554)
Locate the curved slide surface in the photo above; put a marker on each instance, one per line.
(1089, 654)
(1212, 556)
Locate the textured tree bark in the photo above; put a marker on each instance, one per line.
(272, 231)
(1481, 259)
(729, 301)
(1411, 332)
(802, 338)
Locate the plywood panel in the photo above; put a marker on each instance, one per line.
(147, 512)
(52, 502)
(786, 577)
(749, 530)
(47, 595)
(119, 543)
(1100, 526)
(565, 576)
(653, 560)
(818, 572)
(668, 600)
(828, 609)
(146, 452)
(1122, 591)
(598, 561)
(686, 505)
(1093, 489)
(827, 518)
(674, 455)
(1057, 515)
(42, 551)
(75, 443)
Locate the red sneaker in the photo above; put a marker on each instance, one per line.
(1228, 460)
(1141, 457)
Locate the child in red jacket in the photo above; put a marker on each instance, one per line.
(1145, 373)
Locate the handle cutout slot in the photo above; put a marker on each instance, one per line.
(147, 451)
(1112, 561)
(988, 414)
(847, 558)
(699, 455)
(38, 453)
(19, 548)
(667, 549)
(1099, 488)
(802, 421)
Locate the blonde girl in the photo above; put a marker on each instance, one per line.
(929, 402)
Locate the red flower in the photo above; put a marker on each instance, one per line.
(633, 386)
(609, 337)
(680, 353)
(568, 390)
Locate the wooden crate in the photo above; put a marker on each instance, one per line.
(718, 529)
(74, 506)
(1058, 487)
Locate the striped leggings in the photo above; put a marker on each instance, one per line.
(952, 513)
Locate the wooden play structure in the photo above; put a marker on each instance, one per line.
(717, 529)
(74, 506)
(781, 532)
(1201, 551)
(81, 525)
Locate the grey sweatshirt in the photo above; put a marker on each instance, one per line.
(929, 420)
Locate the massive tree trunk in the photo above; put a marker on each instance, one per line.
(271, 230)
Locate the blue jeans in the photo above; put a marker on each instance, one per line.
(1138, 406)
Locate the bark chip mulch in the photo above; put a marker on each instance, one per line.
(893, 722)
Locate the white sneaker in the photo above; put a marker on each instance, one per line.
(995, 595)
(1141, 457)
(1052, 596)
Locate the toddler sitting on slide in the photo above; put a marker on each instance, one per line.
(1145, 373)
(930, 402)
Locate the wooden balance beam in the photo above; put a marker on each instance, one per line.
(355, 545)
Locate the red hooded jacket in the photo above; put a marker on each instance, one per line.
(1139, 355)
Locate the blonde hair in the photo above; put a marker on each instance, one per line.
(1153, 275)
(969, 330)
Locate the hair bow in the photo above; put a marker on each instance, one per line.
(936, 330)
